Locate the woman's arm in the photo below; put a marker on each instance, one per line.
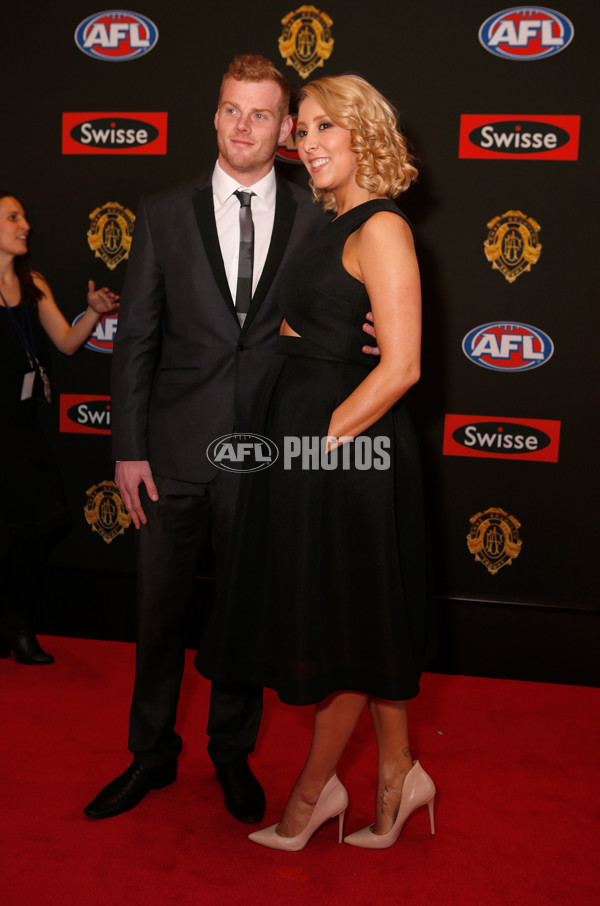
(382, 255)
(66, 338)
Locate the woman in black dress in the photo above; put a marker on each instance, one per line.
(328, 598)
(32, 508)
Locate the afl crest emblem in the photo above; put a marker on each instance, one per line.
(494, 539)
(306, 41)
(513, 244)
(110, 233)
(105, 511)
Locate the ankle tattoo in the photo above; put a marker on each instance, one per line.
(382, 799)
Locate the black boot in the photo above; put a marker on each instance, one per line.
(16, 636)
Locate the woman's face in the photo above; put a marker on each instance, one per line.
(14, 228)
(324, 148)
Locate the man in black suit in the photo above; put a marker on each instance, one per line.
(186, 366)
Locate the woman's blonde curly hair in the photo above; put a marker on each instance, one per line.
(385, 165)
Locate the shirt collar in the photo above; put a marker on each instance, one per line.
(224, 186)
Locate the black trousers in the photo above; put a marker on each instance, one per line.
(184, 518)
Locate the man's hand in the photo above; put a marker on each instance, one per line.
(129, 475)
(368, 328)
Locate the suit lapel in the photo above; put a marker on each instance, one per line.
(285, 212)
(204, 209)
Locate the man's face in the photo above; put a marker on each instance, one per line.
(249, 127)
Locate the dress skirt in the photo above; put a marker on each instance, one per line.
(328, 584)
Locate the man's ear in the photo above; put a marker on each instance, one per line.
(285, 128)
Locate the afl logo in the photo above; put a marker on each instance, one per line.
(508, 346)
(116, 35)
(103, 335)
(242, 452)
(526, 33)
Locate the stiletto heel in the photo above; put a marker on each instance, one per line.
(332, 803)
(431, 821)
(341, 817)
(418, 790)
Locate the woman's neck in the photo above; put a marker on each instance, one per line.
(10, 285)
(8, 274)
(351, 197)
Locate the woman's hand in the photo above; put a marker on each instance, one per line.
(368, 328)
(68, 338)
(101, 300)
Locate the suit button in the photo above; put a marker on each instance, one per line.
(241, 348)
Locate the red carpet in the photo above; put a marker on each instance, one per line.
(516, 816)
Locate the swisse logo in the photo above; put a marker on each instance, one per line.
(531, 137)
(114, 133)
(116, 35)
(242, 453)
(84, 414)
(103, 335)
(508, 346)
(501, 438)
(519, 136)
(526, 33)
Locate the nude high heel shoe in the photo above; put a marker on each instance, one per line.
(418, 790)
(332, 803)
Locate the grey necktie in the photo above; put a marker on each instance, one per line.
(243, 293)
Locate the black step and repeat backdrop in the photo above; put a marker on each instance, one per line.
(98, 106)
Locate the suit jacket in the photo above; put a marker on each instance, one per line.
(183, 371)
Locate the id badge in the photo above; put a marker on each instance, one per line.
(27, 389)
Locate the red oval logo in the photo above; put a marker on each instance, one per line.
(116, 35)
(103, 335)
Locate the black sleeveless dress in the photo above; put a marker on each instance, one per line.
(31, 497)
(327, 587)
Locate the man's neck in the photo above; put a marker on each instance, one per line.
(247, 178)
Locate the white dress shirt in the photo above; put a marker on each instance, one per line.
(227, 216)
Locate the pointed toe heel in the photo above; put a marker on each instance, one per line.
(418, 790)
(332, 803)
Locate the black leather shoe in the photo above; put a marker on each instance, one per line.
(129, 788)
(244, 797)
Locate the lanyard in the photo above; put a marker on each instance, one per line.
(24, 332)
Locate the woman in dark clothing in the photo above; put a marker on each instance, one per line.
(32, 508)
